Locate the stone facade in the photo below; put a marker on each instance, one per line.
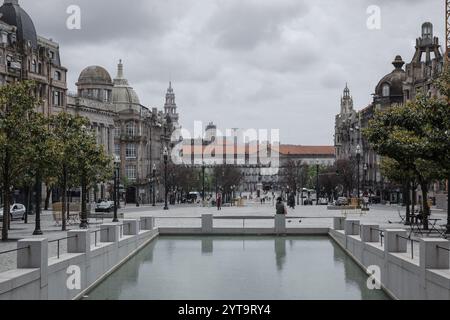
(126, 129)
(398, 87)
(26, 56)
(122, 125)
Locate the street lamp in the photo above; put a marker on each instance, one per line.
(154, 185)
(116, 186)
(203, 182)
(317, 182)
(358, 160)
(166, 159)
(366, 168)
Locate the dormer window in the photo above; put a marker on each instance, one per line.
(57, 75)
(386, 90)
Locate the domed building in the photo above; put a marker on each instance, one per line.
(389, 89)
(95, 82)
(123, 96)
(126, 129)
(27, 56)
(395, 88)
(12, 14)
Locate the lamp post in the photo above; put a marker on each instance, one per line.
(38, 200)
(84, 218)
(154, 185)
(317, 182)
(203, 182)
(166, 159)
(366, 168)
(358, 160)
(116, 187)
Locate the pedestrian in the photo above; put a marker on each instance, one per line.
(219, 201)
(280, 207)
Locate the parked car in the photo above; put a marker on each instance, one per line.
(17, 212)
(308, 202)
(194, 197)
(104, 206)
(323, 201)
(342, 201)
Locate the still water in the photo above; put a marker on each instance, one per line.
(238, 268)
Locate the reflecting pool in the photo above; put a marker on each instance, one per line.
(238, 268)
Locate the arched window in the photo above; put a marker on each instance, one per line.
(386, 90)
(131, 129)
(33, 66)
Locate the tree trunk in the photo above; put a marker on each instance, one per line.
(448, 205)
(6, 205)
(407, 197)
(425, 206)
(83, 224)
(28, 203)
(47, 198)
(64, 199)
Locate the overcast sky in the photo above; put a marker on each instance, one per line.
(278, 64)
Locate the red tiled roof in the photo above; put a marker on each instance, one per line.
(288, 149)
(284, 149)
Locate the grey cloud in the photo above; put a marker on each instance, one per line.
(242, 25)
(242, 63)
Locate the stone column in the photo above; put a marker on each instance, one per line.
(352, 227)
(33, 254)
(393, 243)
(147, 223)
(432, 256)
(280, 223)
(207, 223)
(339, 223)
(109, 232)
(368, 234)
(130, 227)
(79, 241)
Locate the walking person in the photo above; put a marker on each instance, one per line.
(219, 201)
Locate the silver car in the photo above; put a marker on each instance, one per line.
(17, 212)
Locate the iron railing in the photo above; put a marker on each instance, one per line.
(381, 232)
(58, 243)
(412, 244)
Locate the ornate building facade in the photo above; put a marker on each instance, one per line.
(397, 87)
(26, 56)
(121, 124)
(126, 128)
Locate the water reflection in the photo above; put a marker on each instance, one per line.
(207, 246)
(280, 252)
(210, 268)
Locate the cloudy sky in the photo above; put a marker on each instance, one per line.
(278, 64)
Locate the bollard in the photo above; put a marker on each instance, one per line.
(339, 223)
(34, 255)
(147, 223)
(130, 227)
(280, 223)
(109, 232)
(433, 257)
(207, 223)
(368, 234)
(352, 227)
(393, 243)
(79, 241)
